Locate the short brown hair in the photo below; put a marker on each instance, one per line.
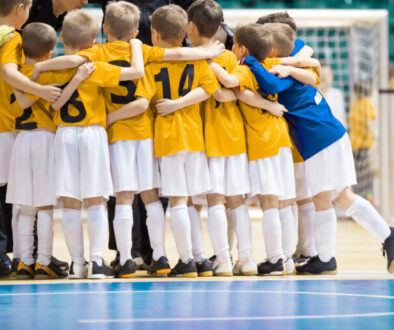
(79, 29)
(170, 22)
(38, 39)
(6, 6)
(281, 17)
(283, 38)
(122, 19)
(207, 15)
(256, 38)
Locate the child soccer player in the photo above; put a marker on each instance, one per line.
(13, 14)
(178, 140)
(328, 168)
(31, 178)
(81, 148)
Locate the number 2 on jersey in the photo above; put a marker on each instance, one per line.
(20, 121)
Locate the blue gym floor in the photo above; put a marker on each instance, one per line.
(269, 304)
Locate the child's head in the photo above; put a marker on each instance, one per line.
(252, 39)
(79, 31)
(205, 17)
(362, 89)
(38, 41)
(16, 10)
(283, 39)
(168, 26)
(121, 20)
(281, 17)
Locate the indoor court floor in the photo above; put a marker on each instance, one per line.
(361, 296)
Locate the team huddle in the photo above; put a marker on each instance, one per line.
(199, 125)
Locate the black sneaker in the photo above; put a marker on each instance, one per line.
(204, 268)
(5, 265)
(388, 249)
(125, 271)
(115, 261)
(314, 266)
(60, 264)
(14, 267)
(24, 272)
(51, 271)
(182, 269)
(300, 260)
(160, 267)
(99, 272)
(213, 258)
(268, 268)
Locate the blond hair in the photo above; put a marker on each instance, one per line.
(122, 19)
(170, 22)
(7, 6)
(38, 39)
(283, 38)
(79, 29)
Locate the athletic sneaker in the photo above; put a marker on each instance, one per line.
(246, 267)
(125, 271)
(317, 267)
(78, 271)
(289, 266)
(14, 267)
(204, 268)
(5, 265)
(300, 260)
(99, 272)
(24, 272)
(222, 268)
(159, 267)
(388, 249)
(182, 269)
(51, 271)
(60, 264)
(269, 268)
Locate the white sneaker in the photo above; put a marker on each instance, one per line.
(78, 271)
(246, 268)
(222, 269)
(289, 266)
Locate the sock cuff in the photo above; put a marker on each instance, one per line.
(216, 207)
(240, 208)
(352, 208)
(306, 207)
(46, 212)
(96, 208)
(270, 211)
(71, 213)
(179, 207)
(154, 205)
(285, 209)
(325, 212)
(123, 211)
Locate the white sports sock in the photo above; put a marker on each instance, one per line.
(294, 210)
(306, 235)
(272, 232)
(73, 233)
(196, 231)
(230, 228)
(123, 225)
(366, 215)
(180, 227)
(25, 234)
(325, 232)
(45, 236)
(156, 223)
(217, 229)
(16, 210)
(97, 230)
(242, 228)
(288, 230)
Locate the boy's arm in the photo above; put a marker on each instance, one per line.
(23, 101)
(194, 53)
(165, 107)
(83, 72)
(130, 110)
(224, 95)
(303, 76)
(16, 79)
(136, 70)
(255, 100)
(302, 62)
(226, 79)
(266, 80)
(305, 51)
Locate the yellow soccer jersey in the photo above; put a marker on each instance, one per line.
(10, 52)
(183, 129)
(118, 53)
(86, 106)
(265, 133)
(223, 124)
(361, 113)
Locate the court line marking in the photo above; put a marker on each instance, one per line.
(195, 291)
(236, 318)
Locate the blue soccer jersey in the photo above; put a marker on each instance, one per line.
(312, 125)
(298, 45)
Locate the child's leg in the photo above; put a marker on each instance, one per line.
(196, 231)
(16, 210)
(287, 225)
(306, 236)
(45, 235)
(25, 234)
(230, 228)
